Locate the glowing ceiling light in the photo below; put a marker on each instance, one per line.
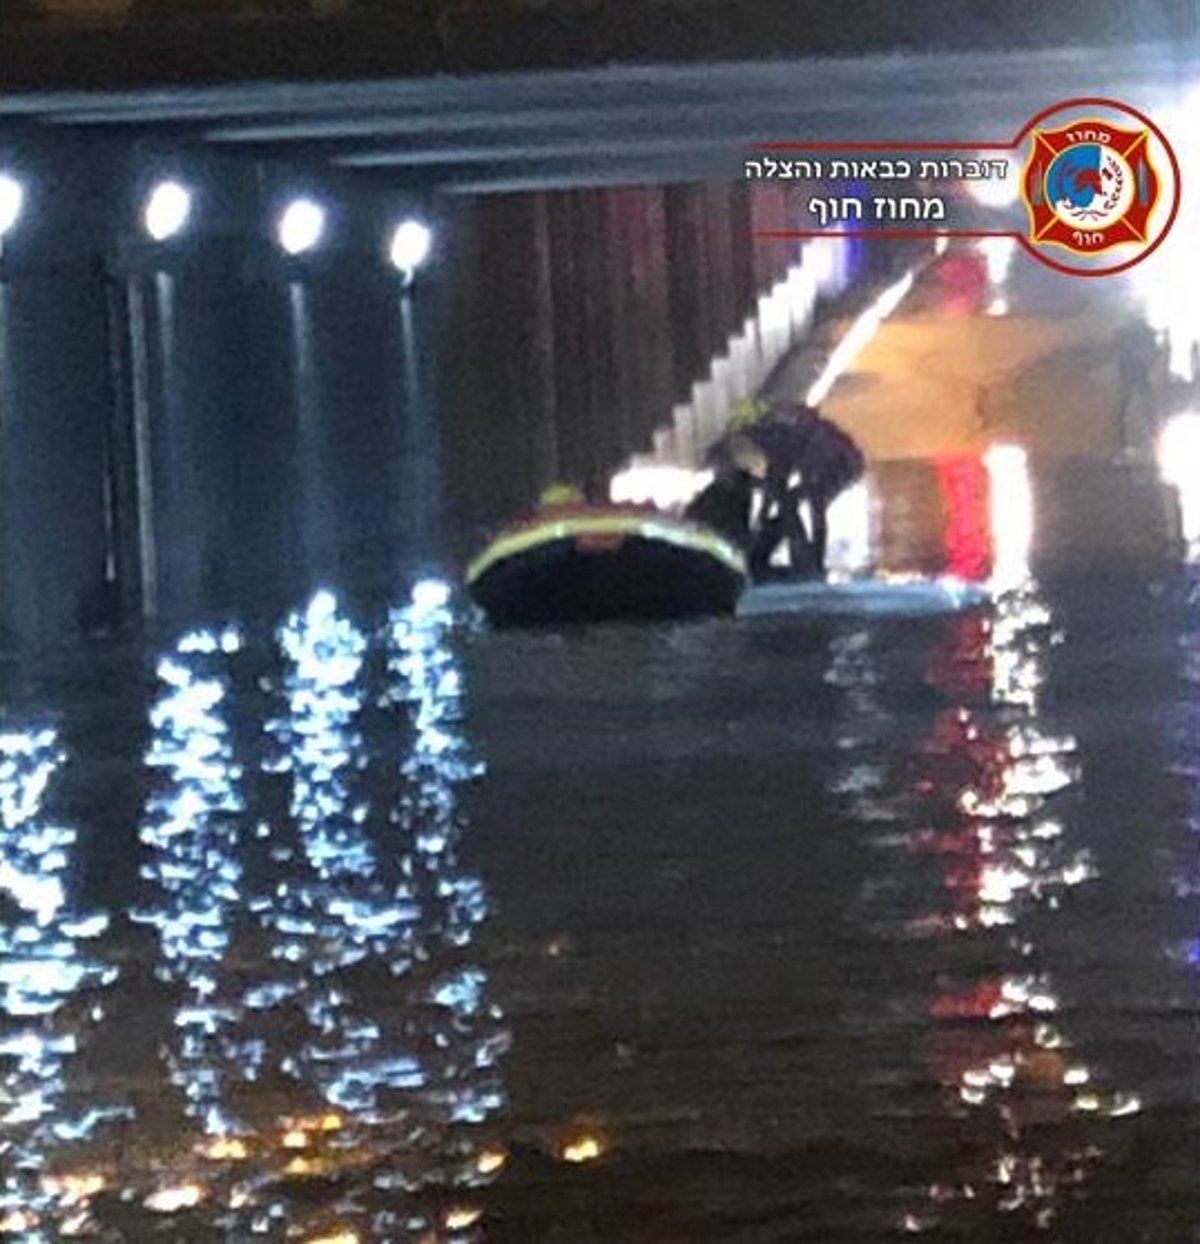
(411, 244)
(12, 201)
(167, 210)
(301, 226)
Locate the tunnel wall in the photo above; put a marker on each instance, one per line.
(580, 320)
(54, 406)
(184, 429)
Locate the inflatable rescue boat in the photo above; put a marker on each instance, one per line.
(605, 563)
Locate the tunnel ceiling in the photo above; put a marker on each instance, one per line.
(618, 124)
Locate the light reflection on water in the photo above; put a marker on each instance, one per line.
(191, 828)
(327, 1055)
(988, 815)
(994, 813)
(52, 989)
(333, 1051)
(995, 797)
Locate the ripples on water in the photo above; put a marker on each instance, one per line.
(771, 931)
(316, 1044)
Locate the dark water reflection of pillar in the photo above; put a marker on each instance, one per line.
(182, 440)
(418, 503)
(313, 513)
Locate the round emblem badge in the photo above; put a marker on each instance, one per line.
(1101, 185)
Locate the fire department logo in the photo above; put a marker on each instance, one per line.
(1100, 192)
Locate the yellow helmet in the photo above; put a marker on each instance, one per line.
(561, 495)
(745, 413)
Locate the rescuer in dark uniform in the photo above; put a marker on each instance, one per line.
(726, 504)
(809, 459)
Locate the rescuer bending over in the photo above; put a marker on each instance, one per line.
(799, 458)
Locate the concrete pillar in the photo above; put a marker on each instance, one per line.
(471, 437)
(209, 368)
(539, 379)
(769, 206)
(743, 246)
(417, 514)
(243, 375)
(576, 456)
(512, 331)
(617, 246)
(648, 319)
(658, 344)
(719, 266)
(688, 291)
(606, 447)
(766, 331)
(55, 408)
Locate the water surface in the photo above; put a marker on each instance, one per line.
(361, 923)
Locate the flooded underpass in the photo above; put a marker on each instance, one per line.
(363, 923)
(330, 914)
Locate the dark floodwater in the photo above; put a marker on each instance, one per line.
(369, 925)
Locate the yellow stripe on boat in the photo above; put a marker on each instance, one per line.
(682, 534)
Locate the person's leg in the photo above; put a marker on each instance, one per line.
(819, 505)
(799, 541)
(766, 541)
